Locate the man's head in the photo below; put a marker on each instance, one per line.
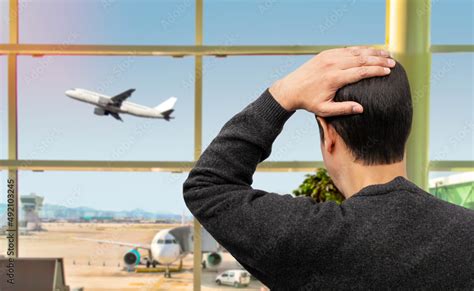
(378, 135)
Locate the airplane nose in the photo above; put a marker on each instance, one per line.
(70, 93)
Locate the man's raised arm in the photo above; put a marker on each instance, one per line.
(258, 228)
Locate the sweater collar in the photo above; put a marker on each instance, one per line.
(397, 184)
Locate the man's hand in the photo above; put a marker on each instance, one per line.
(313, 85)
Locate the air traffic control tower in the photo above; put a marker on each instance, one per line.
(31, 206)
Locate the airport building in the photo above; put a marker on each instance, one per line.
(31, 206)
(457, 189)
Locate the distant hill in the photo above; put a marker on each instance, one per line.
(53, 211)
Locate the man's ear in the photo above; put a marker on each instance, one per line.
(328, 135)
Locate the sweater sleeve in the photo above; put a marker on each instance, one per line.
(258, 228)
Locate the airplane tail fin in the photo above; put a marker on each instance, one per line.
(167, 105)
(166, 108)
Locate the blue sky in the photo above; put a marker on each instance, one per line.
(52, 126)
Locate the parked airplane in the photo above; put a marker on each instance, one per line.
(106, 105)
(167, 247)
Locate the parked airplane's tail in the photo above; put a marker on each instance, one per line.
(166, 108)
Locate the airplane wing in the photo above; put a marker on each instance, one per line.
(184, 236)
(118, 243)
(209, 244)
(116, 116)
(118, 99)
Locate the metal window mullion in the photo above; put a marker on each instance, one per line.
(12, 192)
(197, 243)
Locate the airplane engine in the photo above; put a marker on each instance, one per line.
(132, 258)
(211, 260)
(100, 111)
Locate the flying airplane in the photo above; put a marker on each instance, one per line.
(106, 105)
(168, 246)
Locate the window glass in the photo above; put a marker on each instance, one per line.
(234, 82)
(3, 210)
(278, 182)
(3, 107)
(4, 21)
(76, 208)
(135, 22)
(55, 126)
(289, 22)
(451, 104)
(451, 22)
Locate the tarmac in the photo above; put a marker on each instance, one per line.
(94, 266)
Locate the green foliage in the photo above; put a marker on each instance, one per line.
(320, 187)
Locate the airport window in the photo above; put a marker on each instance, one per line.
(262, 180)
(3, 210)
(315, 22)
(97, 190)
(81, 206)
(4, 20)
(241, 80)
(139, 22)
(451, 115)
(449, 16)
(3, 108)
(76, 208)
(69, 122)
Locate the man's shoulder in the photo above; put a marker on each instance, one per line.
(449, 206)
(413, 201)
(445, 209)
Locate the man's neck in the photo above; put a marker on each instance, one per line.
(357, 176)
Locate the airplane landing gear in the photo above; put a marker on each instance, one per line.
(151, 263)
(167, 272)
(150, 260)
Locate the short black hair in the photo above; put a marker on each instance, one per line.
(379, 134)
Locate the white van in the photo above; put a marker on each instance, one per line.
(236, 278)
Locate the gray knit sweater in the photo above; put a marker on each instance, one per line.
(392, 235)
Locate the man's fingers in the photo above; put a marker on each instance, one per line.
(368, 51)
(339, 108)
(365, 51)
(353, 75)
(363, 60)
(358, 51)
(345, 58)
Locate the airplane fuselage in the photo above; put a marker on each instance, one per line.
(104, 102)
(165, 248)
